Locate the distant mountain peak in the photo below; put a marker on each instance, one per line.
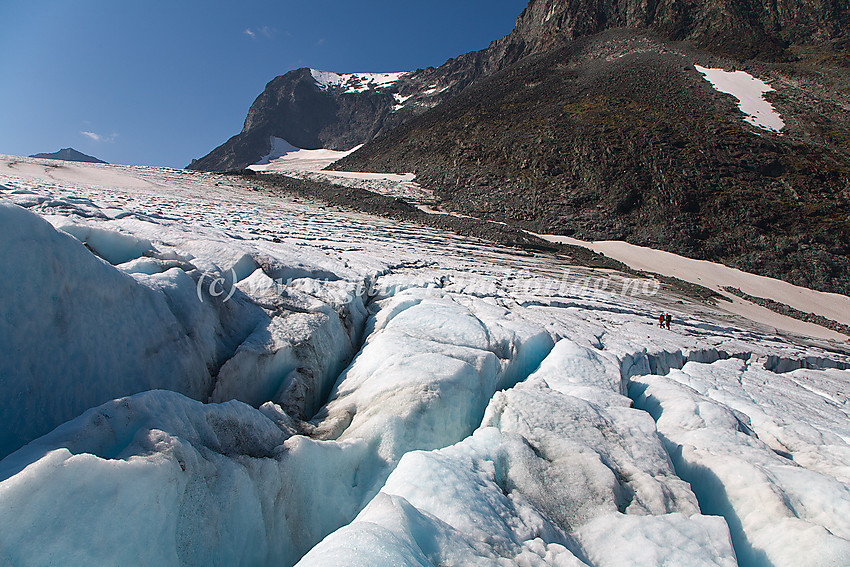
(69, 154)
(313, 109)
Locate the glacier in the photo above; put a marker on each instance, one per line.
(197, 372)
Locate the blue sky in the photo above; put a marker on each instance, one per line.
(161, 82)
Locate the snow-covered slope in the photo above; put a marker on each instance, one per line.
(750, 94)
(718, 278)
(283, 156)
(376, 393)
(286, 159)
(355, 82)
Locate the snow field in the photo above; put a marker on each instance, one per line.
(278, 148)
(284, 158)
(717, 276)
(750, 94)
(355, 82)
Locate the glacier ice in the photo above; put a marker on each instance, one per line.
(542, 482)
(77, 344)
(379, 393)
(100, 333)
(114, 247)
(197, 461)
(779, 512)
(181, 479)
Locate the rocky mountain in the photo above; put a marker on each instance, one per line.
(69, 154)
(351, 109)
(314, 109)
(618, 136)
(739, 28)
(307, 113)
(591, 119)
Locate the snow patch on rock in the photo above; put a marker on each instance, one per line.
(355, 82)
(750, 94)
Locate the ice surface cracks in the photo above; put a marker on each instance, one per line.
(706, 465)
(595, 317)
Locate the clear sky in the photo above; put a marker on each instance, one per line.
(159, 82)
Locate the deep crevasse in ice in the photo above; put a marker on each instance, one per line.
(477, 422)
(549, 479)
(767, 451)
(226, 485)
(83, 332)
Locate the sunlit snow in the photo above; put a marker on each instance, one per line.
(355, 82)
(750, 94)
(400, 100)
(283, 156)
(717, 277)
(197, 372)
(309, 164)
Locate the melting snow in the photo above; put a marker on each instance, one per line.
(286, 157)
(278, 148)
(355, 82)
(750, 94)
(400, 100)
(717, 276)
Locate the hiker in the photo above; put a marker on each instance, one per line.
(661, 319)
(668, 319)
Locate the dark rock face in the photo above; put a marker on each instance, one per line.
(742, 28)
(617, 136)
(295, 108)
(69, 154)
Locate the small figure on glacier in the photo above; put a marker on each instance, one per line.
(668, 319)
(661, 319)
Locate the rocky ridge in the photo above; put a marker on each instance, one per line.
(297, 109)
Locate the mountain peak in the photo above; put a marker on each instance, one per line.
(69, 154)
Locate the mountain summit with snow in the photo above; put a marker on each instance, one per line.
(311, 109)
(355, 82)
